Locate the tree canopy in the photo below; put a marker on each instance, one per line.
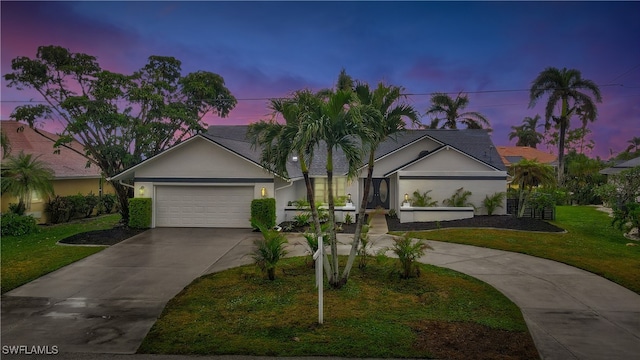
(121, 119)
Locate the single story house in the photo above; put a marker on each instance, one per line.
(72, 176)
(513, 154)
(620, 167)
(210, 179)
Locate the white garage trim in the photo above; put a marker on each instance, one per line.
(203, 206)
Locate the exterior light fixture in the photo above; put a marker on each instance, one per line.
(406, 197)
(141, 190)
(263, 191)
(348, 197)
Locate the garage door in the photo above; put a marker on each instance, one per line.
(203, 206)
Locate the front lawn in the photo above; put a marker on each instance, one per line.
(442, 314)
(25, 258)
(590, 244)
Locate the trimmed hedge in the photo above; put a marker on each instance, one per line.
(140, 213)
(263, 211)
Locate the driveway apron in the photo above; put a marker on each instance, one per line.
(106, 303)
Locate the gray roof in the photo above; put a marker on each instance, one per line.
(621, 167)
(473, 142)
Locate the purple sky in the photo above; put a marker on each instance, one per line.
(269, 49)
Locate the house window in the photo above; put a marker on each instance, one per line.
(321, 188)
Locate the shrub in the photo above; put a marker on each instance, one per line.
(302, 219)
(491, 203)
(78, 205)
(90, 203)
(539, 200)
(59, 209)
(408, 252)
(627, 216)
(393, 214)
(459, 199)
(19, 209)
(17, 225)
(422, 200)
(269, 250)
(140, 213)
(348, 219)
(108, 203)
(263, 211)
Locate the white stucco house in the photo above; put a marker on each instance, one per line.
(210, 179)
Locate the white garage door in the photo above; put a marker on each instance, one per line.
(203, 206)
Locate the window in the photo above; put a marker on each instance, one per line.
(320, 188)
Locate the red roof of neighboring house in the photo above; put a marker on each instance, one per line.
(66, 164)
(513, 154)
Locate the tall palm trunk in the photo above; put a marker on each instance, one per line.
(563, 130)
(360, 221)
(314, 211)
(521, 200)
(334, 280)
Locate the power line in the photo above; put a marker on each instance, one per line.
(625, 73)
(405, 94)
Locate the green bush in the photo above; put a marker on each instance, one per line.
(408, 252)
(59, 209)
(493, 202)
(422, 200)
(269, 250)
(459, 199)
(90, 203)
(17, 225)
(18, 209)
(108, 203)
(263, 212)
(78, 205)
(140, 213)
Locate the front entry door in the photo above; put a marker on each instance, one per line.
(378, 194)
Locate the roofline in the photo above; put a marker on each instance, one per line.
(446, 147)
(402, 147)
(121, 175)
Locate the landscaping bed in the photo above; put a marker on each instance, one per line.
(478, 221)
(102, 237)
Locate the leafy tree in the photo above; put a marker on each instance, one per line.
(526, 133)
(582, 177)
(23, 174)
(386, 115)
(622, 193)
(120, 119)
(568, 89)
(450, 111)
(529, 174)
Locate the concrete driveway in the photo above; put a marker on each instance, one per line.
(107, 303)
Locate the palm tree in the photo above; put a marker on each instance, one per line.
(634, 144)
(23, 174)
(386, 117)
(451, 111)
(280, 141)
(337, 123)
(529, 174)
(567, 89)
(526, 133)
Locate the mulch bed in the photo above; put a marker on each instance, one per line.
(481, 221)
(102, 237)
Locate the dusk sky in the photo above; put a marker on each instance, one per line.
(491, 50)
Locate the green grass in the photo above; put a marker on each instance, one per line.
(25, 258)
(376, 314)
(590, 243)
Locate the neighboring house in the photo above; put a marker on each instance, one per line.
(71, 174)
(513, 154)
(618, 168)
(210, 179)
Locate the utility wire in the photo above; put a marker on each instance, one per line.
(625, 73)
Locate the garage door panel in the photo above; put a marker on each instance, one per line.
(203, 206)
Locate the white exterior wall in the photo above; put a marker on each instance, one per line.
(398, 158)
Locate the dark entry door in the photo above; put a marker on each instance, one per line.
(378, 194)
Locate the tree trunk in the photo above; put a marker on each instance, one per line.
(521, 201)
(334, 280)
(564, 122)
(360, 222)
(314, 214)
(122, 192)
